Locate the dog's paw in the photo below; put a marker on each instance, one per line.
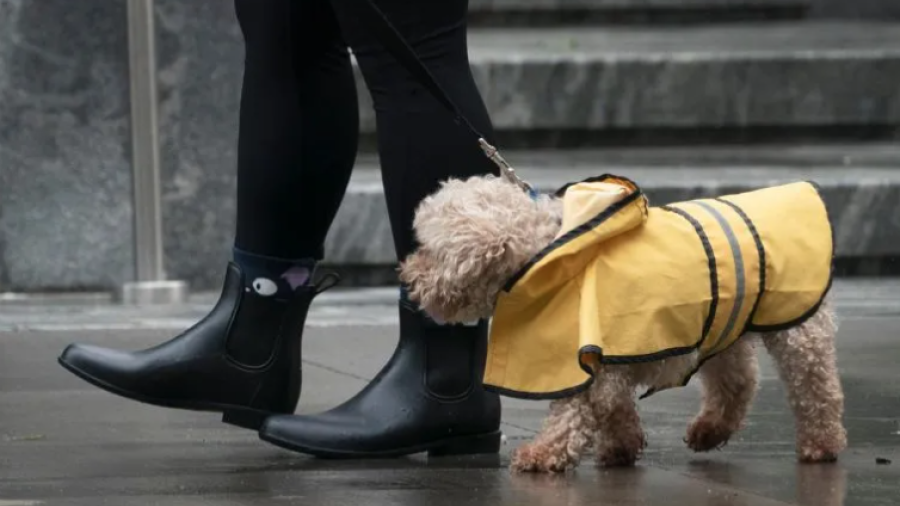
(623, 449)
(538, 459)
(824, 448)
(705, 434)
(816, 455)
(618, 456)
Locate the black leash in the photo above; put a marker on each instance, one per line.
(391, 38)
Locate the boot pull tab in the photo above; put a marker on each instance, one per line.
(327, 282)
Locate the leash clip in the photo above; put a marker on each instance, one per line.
(506, 170)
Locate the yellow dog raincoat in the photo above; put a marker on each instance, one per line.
(626, 283)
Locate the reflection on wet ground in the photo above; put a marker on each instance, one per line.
(64, 442)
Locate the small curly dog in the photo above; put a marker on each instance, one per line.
(475, 235)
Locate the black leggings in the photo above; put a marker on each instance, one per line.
(299, 120)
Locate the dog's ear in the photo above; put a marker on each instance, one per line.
(417, 273)
(473, 236)
(458, 284)
(436, 287)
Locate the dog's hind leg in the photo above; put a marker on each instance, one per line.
(807, 363)
(620, 437)
(729, 382)
(567, 432)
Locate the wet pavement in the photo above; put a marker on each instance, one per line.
(65, 442)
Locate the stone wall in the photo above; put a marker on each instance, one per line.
(65, 180)
(65, 205)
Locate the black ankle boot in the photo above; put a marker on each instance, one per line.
(242, 359)
(428, 397)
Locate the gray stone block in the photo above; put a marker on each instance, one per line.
(781, 75)
(738, 76)
(862, 201)
(881, 10)
(65, 181)
(635, 12)
(548, 6)
(483, 5)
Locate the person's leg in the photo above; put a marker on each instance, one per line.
(419, 145)
(299, 127)
(297, 146)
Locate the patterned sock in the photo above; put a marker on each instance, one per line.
(274, 277)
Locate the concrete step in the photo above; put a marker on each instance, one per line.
(83, 221)
(580, 12)
(863, 196)
(576, 86)
(772, 156)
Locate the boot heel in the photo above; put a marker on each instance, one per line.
(469, 445)
(244, 419)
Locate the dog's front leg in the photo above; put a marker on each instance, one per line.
(620, 438)
(566, 434)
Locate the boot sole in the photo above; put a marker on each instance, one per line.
(239, 416)
(480, 444)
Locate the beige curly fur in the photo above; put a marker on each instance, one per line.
(472, 239)
(475, 234)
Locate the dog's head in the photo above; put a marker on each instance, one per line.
(473, 236)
